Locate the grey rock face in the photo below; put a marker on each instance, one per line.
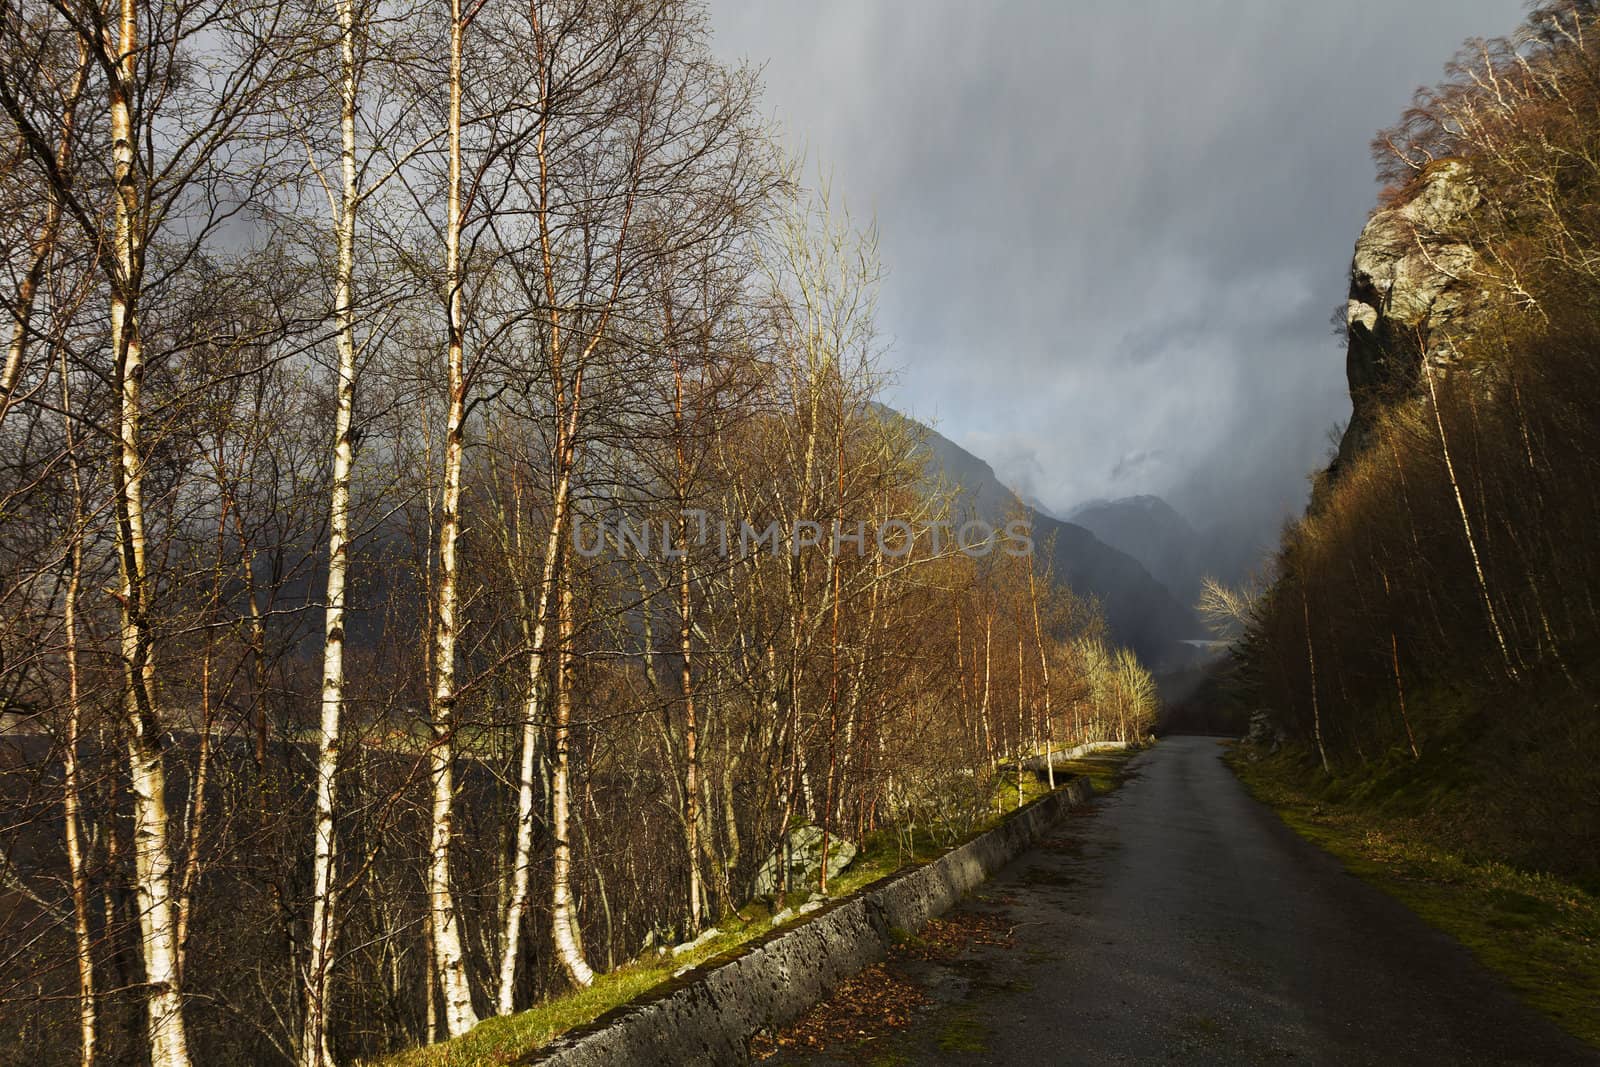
(805, 860)
(1413, 286)
(1264, 732)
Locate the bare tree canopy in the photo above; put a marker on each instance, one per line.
(448, 540)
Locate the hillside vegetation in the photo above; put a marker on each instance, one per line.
(1433, 633)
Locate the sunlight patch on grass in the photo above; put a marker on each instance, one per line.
(507, 1038)
(1105, 770)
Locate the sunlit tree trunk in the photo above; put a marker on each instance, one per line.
(314, 1049)
(147, 779)
(963, 692)
(983, 703)
(1466, 522)
(1022, 714)
(22, 311)
(534, 620)
(202, 768)
(563, 915)
(835, 566)
(1044, 679)
(1399, 685)
(77, 867)
(448, 956)
(567, 408)
(691, 754)
(44, 243)
(1311, 663)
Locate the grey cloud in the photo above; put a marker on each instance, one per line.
(1132, 464)
(1111, 231)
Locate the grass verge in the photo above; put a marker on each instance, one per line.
(1105, 770)
(1540, 933)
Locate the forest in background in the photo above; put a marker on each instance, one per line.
(328, 724)
(1432, 633)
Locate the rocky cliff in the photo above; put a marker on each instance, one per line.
(1413, 289)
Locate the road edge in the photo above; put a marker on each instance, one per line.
(1458, 904)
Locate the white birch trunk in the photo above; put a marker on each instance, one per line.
(448, 957)
(1316, 707)
(983, 705)
(532, 712)
(77, 869)
(43, 245)
(1466, 524)
(314, 1048)
(1022, 717)
(563, 918)
(691, 756)
(1044, 679)
(169, 1045)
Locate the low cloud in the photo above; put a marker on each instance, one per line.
(1113, 233)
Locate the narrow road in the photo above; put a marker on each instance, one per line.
(1178, 920)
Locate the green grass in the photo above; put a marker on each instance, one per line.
(508, 1038)
(888, 1058)
(1505, 773)
(1004, 801)
(1105, 771)
(505, 1039)
(1539, 932)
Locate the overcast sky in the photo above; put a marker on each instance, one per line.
(1115, 233)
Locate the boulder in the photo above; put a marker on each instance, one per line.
(1263, 732)
(804, 852)
(689, 946)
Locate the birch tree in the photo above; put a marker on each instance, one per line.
(449, 957)
(344, 201)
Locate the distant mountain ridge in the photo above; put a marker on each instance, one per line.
(1140, 612)
(1176, 553)
(1152, 532)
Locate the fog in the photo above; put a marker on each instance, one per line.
(1114, 235)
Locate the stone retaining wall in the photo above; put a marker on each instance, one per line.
(709, 1015)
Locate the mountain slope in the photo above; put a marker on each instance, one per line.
(1140, 612)
(1152, 532)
